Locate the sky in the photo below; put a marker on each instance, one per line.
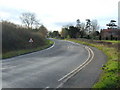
(54, 14)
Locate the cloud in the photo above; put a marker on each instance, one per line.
(11, 14)
(55, 13)
(64, 23)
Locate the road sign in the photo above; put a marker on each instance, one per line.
(31, 40)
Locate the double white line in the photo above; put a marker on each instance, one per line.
(76, 70)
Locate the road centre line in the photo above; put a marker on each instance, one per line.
(46, 88)
(8, 67)
(76, 68)
(75, 71)
(81, 67)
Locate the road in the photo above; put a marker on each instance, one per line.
(49, 68)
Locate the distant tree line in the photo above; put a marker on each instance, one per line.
(54, 34)
(88, 30)
(80, 30)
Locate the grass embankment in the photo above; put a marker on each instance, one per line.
(112, 41)
(15, 40)
(110, 78)
(26, 51)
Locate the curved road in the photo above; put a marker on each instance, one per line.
(44, 69)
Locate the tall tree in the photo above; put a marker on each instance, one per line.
(43, 31)
(28, 19)
(56, 34)
(82, 26)
(73, 32)
(50, 34)
(95, 28)
(111, 24)
(82, 31)
(78, 24)
(64, 32)
(88, 26)
(95, 25)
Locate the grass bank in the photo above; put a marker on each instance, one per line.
(112, 41)
(26, 51)
(16, 39)
(110, 77)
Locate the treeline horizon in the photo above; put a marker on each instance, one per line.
(80, 30)
(88, 30)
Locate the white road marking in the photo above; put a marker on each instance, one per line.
(8, 67)
(46, 88)
(81, 67)
(75, 68)
(29, 53)
(75, 71)
(3, 68)
(72, 42)
(60, 85)
(49, 47)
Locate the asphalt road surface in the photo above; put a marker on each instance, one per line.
(48, 68)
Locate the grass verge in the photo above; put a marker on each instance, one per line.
(112, 41)
(26, 51)
(110, 78)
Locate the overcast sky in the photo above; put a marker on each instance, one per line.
(56, 13)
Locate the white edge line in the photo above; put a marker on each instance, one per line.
(30, 53)
(49, 47)
(46, 88)
(8, 67)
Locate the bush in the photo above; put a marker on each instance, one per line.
(15, 37)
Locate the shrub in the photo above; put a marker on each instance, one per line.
(15, 37)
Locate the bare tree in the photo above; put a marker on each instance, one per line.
(28, 19)
(78, 24)
(95, 25)
(37, 24)
(82, 26)
(88, 26)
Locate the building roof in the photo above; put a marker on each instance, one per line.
(110, 30)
